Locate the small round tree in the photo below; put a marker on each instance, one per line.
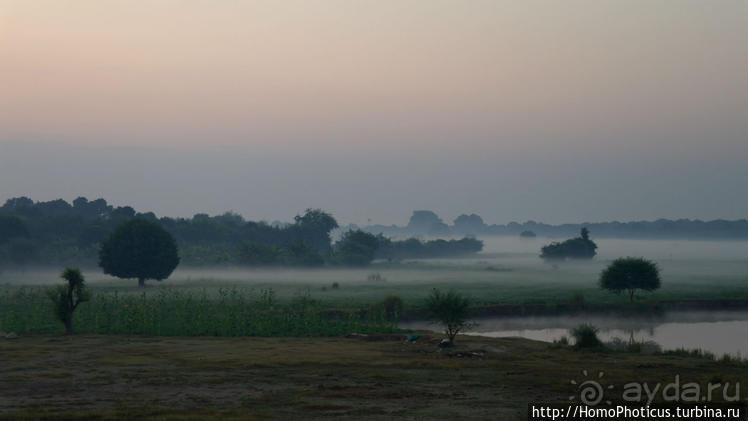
(629, 274)
(139, 249)
(451, 309)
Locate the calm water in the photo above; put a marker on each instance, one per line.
(718, 332)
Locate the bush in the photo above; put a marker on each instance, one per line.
(585, 336)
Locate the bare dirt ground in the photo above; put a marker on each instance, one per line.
(370, 378)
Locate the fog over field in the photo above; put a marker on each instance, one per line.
(503, 259)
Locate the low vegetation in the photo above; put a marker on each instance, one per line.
(585, 337)
(169, 312)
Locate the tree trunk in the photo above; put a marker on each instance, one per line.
(141, 282)
(631, 295)
(69, 326)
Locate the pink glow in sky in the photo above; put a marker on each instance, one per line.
(477, 84)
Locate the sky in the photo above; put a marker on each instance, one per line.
(573, 111)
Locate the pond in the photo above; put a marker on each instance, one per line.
(720, 332)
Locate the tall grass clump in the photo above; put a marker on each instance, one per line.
(585, 337)
(170, 312)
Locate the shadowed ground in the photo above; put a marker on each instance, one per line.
(374, 377)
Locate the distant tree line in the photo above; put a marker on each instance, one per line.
(425, 222)
(60, 233)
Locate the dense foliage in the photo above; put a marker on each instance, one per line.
(629, 274)
(59, 233)
(356, 248)
(576, 248)
(139, 249)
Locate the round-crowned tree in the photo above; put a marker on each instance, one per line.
(629, 274)
(139, 249)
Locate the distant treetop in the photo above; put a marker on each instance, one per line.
(576, 248)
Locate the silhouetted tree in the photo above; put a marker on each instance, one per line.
(356, 248)
(450, 309)
(629, 274)
(576, 248)
(426, 222)
(66, 298)
(585, 233)
(469, 224)
(139, 249)
(314, 228)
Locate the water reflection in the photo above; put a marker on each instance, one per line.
(720, 332)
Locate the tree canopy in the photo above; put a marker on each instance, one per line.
(139, 249)
(70, 234)
(630, 274)
(576, 248)
(356, 248)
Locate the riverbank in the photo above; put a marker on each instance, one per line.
(623, 309)
(363, 377)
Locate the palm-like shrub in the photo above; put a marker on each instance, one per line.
(66, 298)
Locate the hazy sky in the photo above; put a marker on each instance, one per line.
(557, 111)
